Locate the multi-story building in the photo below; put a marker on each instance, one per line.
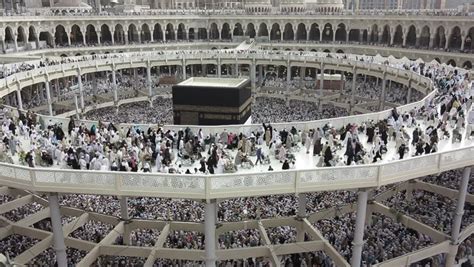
(379, 4)
(396, 4)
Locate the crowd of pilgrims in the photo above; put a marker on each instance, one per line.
(385, 237)
(107, 146)
(104, 146)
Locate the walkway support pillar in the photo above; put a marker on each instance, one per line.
(58, 235)
(210, 233)
(382, 94)
(456, 226)
(302, 203)
(253, 75)
(359, 228)
(149, 84)
(219, 68)
(114, 86)
(409, 92)
(48, 97)
(354, 82)
(76, 106)
(321, 88)
(81, 89)
(124, 216)
(18, 97)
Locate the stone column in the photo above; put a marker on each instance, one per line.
(358, 242)
(124, 216)
(321, 87)
(18, 97)
(409, 92)
(114, 86)
(456, 227)
(253, 74)
(382, 94)
(81, 90)
(210, 234)
(48, 97)
(58, 235)
(99, 35)
(149, 84)
(76, 106)
(302, 203)
(354, 82)
(288, 76)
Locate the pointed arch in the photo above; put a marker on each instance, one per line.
(468, 42)
(60, 36)
(251, 30)
(105, 34)
(226, 32)
(119, 34)
(262, 30)
(365, 36)
(191, 34)
(132, 33)
(354, 35)
(47, 38)
(31, 34)
(146, 33)
(238, 31)
(22, 39)
(76, 35)
(328, 33)
(398, 35)
(455, 39)
(170, 32)
(214, 32)
(314, 33)
(425, 37)
(157, 32)
(91, 34)
(341, 32)
(9, 35)
(374, 34)
(386, 36)
(275, 33)
(181, 32)
(202, 34)
(301, 34)
(440, 37)
(410, 38)
(288, 33)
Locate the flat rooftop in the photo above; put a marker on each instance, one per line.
(214, 82)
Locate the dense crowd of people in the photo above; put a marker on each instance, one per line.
(432, 209)
(385, 237)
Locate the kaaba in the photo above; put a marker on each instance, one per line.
(212, 101)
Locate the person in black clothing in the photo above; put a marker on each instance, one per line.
(419, 148)
(71, 126)
(29, 159)
(370, 131)
(203, 165)
(328, 155)
(210, 165)
(401, 150)
(416, 136)
(352, 150)
(286, 165)
(427, 148)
